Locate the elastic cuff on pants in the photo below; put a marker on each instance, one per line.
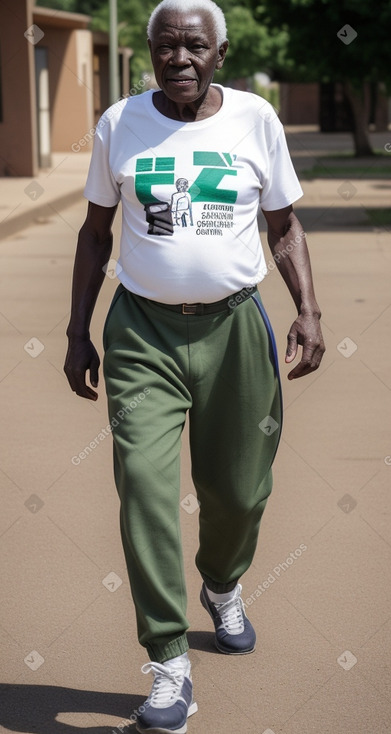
(159, 652)
(218, 588)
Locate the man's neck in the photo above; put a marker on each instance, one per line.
(200, 109)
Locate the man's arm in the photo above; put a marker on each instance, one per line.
(289, 249)
(93, 252)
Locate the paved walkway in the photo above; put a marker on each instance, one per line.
(318, 592)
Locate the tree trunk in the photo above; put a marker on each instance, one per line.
(355, 98)
(381, 108)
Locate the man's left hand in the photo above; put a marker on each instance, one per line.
(305, 331)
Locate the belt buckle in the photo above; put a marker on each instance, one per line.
(191, 309)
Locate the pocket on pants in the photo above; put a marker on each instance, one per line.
(272, 341)
(118, 293)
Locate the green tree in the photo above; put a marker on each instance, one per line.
(68, 5)
(88, 7)
(132, 23)
(322, 46)
(252, 46)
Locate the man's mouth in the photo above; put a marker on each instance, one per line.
(182, 81)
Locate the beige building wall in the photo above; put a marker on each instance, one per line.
(18, 133)
(68, 113)
(70, 84)
(71, 87)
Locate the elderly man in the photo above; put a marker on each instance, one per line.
(187, 332)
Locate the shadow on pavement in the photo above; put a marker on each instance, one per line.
(328, 218)
(34, 708)
(201, 641)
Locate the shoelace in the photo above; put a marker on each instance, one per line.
(231, 613)
(166, 686)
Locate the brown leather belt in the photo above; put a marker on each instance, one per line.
(199, 309)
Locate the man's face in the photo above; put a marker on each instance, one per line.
(184, 54)
(182, 185)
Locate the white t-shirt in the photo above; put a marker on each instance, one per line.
(208, 176)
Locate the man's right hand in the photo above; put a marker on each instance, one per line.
(82, 356)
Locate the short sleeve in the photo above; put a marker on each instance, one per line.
(281, 186)
(101, 187)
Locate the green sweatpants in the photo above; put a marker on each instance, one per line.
(222, 368)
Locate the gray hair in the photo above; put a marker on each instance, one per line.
(184, 5)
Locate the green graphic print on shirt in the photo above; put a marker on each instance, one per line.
(205, 188)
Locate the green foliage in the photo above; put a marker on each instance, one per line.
(68, 5)
(253, 47)
(271, 93)
(290, 39)
(88, 7)
(314, 52)
(249, 44)
(379, 217)
(132, 23)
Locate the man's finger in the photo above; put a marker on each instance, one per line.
(84, 391)
(291, 349)
(309, 362)
(94, 374)
(78, 385)
(300, 370)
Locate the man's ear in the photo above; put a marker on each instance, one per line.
(222, 52)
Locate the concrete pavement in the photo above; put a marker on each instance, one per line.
(318, 591)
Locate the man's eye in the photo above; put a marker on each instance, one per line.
(198, 46)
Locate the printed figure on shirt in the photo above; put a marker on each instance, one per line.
(181, 204)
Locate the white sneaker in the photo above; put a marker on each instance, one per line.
(235, 634)
(170, 702)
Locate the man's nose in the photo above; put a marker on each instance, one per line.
(180, 56)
